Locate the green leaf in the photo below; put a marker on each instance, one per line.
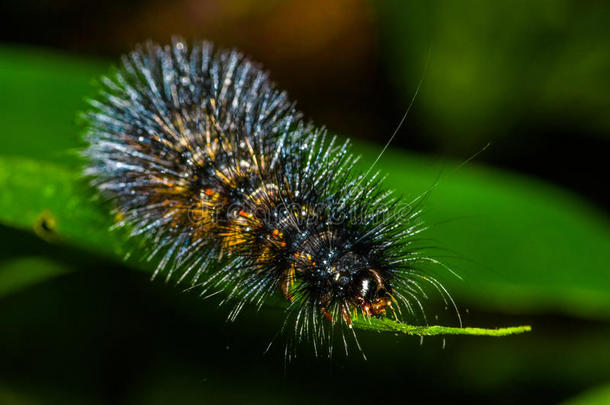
(40, 95)
(595, 396)
(57, 204)
(63, 211)
(22, 272)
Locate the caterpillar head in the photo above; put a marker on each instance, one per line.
(347, 282)
(370, 292)
(359, 285)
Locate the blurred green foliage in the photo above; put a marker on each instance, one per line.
(595, 396)
(497, 67)
(17, 273)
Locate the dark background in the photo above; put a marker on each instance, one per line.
(530, 78)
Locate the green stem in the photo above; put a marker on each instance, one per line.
(388, 325)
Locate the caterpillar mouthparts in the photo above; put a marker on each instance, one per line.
(233, 190)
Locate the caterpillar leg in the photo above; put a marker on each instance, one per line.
(287, 282)
(344, 314)
(327, 314)
(346, 317)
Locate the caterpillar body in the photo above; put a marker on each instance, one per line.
(233, 190)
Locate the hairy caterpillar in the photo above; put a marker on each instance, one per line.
(236, 192)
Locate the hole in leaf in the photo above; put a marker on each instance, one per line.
(45, 227)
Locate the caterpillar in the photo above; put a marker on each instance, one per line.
(233, 190)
